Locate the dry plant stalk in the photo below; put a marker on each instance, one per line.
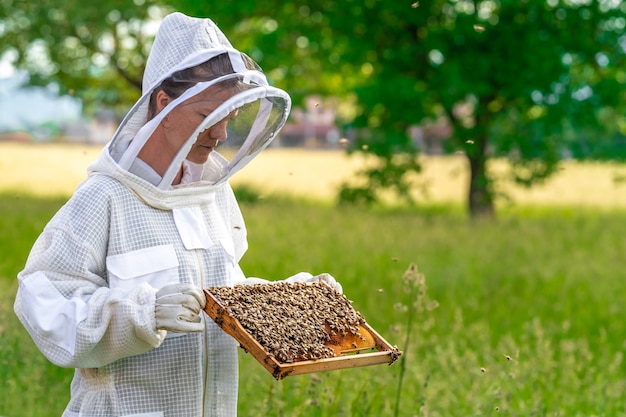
(294, 321)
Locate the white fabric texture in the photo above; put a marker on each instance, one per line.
(181, 42)
(300, 277)
(326, 278)
(125, 365)
(87, 293)
(184, 42)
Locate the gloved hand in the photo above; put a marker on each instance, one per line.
(325, 278)
(252, 281)
(177, 308)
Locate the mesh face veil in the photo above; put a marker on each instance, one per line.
(219, 87)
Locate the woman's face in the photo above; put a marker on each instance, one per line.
(185, 118)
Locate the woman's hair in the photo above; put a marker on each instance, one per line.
(182, 80)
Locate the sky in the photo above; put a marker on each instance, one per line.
(24, 108)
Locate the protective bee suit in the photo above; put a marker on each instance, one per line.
(87, 293)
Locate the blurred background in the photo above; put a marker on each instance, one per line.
(422, 114)
(533, 82)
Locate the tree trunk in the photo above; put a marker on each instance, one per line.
(480, 193)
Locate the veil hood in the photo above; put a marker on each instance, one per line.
(182, 43)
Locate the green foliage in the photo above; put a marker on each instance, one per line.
(529, 80)
(417, 303)
(246, 194)
(522, 287)
(392, 168)
(94, 51)
(523, 80)
(31, 385)
(390, 173)
(525, 323)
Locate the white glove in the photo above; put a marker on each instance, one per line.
(308, 278)
(252, 281)
(177, 308)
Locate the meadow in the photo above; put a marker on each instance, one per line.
(519, 316)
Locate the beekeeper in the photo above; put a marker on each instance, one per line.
(113, 286)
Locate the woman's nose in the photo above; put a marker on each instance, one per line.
(218, 131)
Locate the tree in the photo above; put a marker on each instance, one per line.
(521, 79)
(529, 74)
(525, 80)
(91, 50)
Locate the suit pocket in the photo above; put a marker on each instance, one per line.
(157, 266)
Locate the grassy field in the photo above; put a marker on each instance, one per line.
(315, 175)
(522, 316)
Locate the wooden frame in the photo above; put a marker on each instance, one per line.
(383, 352)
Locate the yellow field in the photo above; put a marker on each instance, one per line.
(55, 169)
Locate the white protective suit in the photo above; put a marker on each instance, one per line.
(87, 293)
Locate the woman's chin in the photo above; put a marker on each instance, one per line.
(199, 156)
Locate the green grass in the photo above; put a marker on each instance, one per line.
(30, 385)
(529, 319)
